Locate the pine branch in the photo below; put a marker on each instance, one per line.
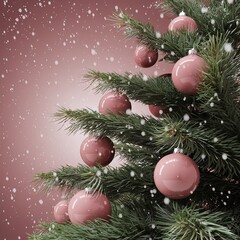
(137, 154)
(112, 181)
(216, 18)
(127, 129)
(220, 90)
(169, 223)
(175, 44)
(125, 225)
(209, 147)
(159, 91)
(189, 223)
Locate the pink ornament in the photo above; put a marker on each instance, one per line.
(157, 111)
(61, 211)
(187, 73)
(176, 176)
(145, 57)
(182, 23)
(114, 102)
(85, 206)
(97, 150)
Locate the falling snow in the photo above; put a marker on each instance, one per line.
(186, 117)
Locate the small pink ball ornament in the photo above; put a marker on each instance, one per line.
(187, 73)
(97, 150)
(114, 102)
(176, 176)
(85, 206)
(145, 57)
(182, 22)
(61, 211)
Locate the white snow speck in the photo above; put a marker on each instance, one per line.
(93, 52)
(203, 156)
(142, 121)
(212, 21)
(153, 226)
(98, 173)
(158, 34)
(111, 59)
(120, 215)
(215, 139)
(145, 77)
(40, 201)
(56, 62)
(161, 15)
(228, 47)
(129, 112)
(230, 1)
(224, 156)
(143, 133)
(166, 200)
(186, 117)
(204, 9)
(14, 190)
(132, 173)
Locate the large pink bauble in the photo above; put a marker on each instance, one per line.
(187, 73)
(114, 102)
(182, 23)
(158, 111)
(176, 176)
(61, 211)
(97, 150)
(145, 57)
(84, 207)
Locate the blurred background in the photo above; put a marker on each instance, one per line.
(46, 48)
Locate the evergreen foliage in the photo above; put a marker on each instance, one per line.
(210, 135)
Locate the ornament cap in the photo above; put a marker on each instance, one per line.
(192, 51)
(182, 13)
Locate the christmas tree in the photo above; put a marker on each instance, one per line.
(180, 178)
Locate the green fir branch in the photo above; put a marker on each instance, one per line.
(175, 44)
(181, 223)
(219, 17)
(159, 90)
(137, 154)
(209, 147)
(220, 89)
(124, 225)
(127, 129)
(112, 181)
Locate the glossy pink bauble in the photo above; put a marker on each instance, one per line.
(84, 207)
(97, 150)
(187, 73)
(176, 176)
(157, 111)
(61, 211)
(114, 102)
(145, 57)
(182, 23)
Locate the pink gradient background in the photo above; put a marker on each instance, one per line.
(46, 48)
